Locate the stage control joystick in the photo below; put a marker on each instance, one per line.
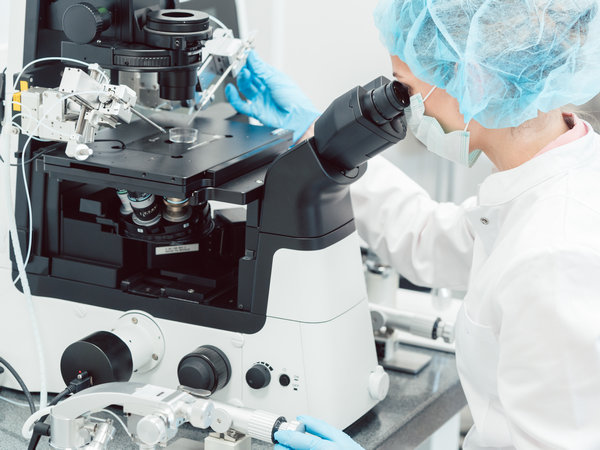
(258, 376)
(206, 368)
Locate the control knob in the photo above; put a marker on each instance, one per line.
(258, 376)
(83, 22)
(205, 368)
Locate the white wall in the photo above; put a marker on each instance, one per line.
(330, 46)
(4, 6)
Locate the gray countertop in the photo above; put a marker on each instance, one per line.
(415, 407)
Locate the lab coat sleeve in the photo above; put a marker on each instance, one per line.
(549, 341)
(429, 243)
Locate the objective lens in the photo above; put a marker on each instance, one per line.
(125, 204)
(145, 208)
(177, 209)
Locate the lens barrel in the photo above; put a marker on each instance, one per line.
(386, 102)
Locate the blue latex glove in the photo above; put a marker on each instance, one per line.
(324, 437)
(273, 98)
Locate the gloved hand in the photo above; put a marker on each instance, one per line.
(273, 98)
(325, 437)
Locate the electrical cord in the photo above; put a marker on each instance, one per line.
(112, 140)
(24, 174)
(78, 384)
(15, 374)
(5, 142)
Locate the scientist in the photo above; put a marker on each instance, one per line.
(489, 76)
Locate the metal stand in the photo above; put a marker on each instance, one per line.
(230, 440)
(394, 358)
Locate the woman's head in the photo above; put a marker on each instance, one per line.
(504, 60)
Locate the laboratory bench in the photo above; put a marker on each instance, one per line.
(416, 406)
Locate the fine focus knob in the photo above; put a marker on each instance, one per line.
(258, 376)
(205, 368)
(83, 22)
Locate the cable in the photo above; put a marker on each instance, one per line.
(28, 396)
(42, 153)
(5, 141)
(24, 175)
(116, 417)
(112, 140)
(13, 402)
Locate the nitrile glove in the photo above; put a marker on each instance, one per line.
(322, 437)
(273, 98)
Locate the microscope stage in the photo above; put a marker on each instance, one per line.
(150, 162)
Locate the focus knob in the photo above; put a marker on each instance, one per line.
(258, 376)
(205, 368)
(83, 22)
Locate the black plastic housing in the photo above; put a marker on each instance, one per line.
(358, 126)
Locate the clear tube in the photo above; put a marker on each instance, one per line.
(5, 144)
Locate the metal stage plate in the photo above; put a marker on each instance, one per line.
(224, 150)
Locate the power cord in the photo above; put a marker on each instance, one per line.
(26, 391)
(78, 384)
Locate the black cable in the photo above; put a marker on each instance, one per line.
(59, 397)
(42, 153)
(112, 140)
(83, 381)
(21, 383)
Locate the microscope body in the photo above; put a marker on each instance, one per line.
(136, 276)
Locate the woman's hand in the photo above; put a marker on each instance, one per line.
(322, 437)
(273, 98)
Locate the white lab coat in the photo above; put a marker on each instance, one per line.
(527, 250)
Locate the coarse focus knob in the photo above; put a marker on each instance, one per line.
(258, 376)
(205, 368)
(83, 22)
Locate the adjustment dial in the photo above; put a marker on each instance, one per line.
(83, 22)
(205, 368)
(258, 376)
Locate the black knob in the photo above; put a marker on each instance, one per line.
(103, 354)
(83, 23)
(205, 368)
(258, 376)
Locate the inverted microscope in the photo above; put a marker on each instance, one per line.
(137, 277)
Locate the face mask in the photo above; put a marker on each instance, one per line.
(453, 146)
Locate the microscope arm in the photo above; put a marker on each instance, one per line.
(154, 415)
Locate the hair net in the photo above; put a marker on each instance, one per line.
(503, 60)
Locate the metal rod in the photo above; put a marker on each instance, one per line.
(147, 120)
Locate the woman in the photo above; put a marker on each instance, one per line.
(490, 76)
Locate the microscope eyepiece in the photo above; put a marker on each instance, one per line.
(362, 123)
(384, 103)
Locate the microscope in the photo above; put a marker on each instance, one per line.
(136, 275)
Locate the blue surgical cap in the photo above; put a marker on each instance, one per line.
(503, 60)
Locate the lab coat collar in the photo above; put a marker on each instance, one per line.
(502, 187)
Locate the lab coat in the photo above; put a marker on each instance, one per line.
(527, 250)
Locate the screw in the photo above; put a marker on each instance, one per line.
(484, 221)
(191, 291)
(259, 181)
(155, 357)
(134, 320)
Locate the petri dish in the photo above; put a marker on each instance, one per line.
(183, 135)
